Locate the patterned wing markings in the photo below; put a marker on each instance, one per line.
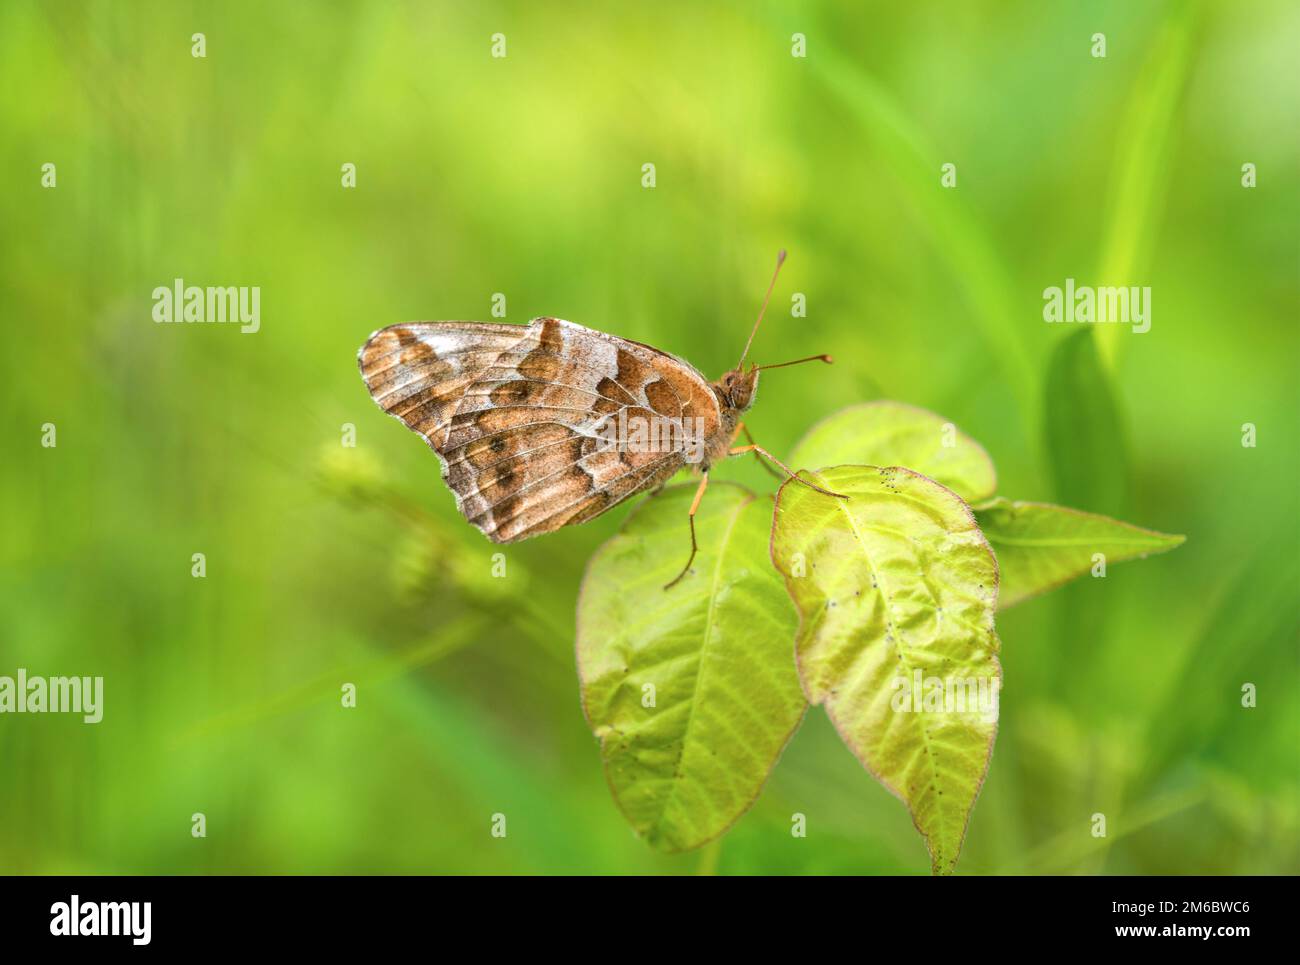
(514, 482)
(513, 413)
(579, 502)
(418, 371)
(623, 370)
(596, 502)
(585, 364)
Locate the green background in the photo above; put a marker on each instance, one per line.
(522, 176)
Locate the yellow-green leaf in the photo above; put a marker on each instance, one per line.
(1040, 546)
(893, 582)
(691, 690)
(894, 434)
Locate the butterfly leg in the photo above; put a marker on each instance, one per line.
(695, 504)
(741, 427)
(755, 448)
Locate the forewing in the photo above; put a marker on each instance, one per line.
(523, 452)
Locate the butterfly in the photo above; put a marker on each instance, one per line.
(550, 424)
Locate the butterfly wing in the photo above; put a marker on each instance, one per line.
(419, 371)
(520, 447)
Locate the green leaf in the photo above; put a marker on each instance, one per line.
(893, 434)
(1085, 435)
(894, 581)
(1040, 546)
(717, 648)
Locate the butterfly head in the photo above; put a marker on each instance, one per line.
(738, 387)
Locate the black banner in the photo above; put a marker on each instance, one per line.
(340, 914)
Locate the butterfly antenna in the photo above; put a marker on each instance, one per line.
(780, 260)
(812, 358)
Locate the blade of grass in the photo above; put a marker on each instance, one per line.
(1141, 175)
(955, 233)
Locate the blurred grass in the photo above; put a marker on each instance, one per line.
(1142, 158)
(522, 176)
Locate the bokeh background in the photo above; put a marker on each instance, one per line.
(522, 175)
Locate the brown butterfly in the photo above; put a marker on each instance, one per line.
(550, 424)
